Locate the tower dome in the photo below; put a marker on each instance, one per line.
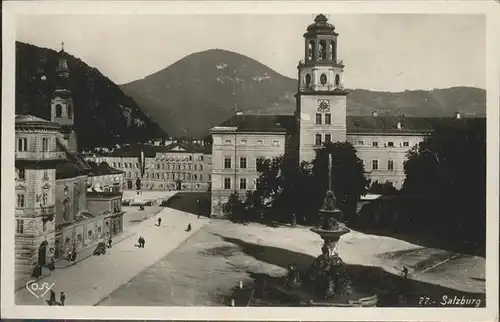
(321, 27)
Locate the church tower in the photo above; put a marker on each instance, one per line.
(62, 108)
(321, 98)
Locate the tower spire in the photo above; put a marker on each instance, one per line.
(62, 45)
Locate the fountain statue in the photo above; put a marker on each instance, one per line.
(327, 274)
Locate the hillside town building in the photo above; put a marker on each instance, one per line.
(381, 141)
(177, 166)
(54, 211)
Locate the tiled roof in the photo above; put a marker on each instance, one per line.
(102, 169)
(134, 150)
(355, 124)
(188, 147)
(67, 169)
(389, 124)
(26, 120)
(260, 123)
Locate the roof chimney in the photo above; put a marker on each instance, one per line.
(458, 115)
(374, 113)
(399, 125)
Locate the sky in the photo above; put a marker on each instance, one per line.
(381, 52)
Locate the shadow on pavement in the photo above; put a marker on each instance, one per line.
(187, 202)
(366, 279)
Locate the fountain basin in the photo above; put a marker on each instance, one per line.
(330, 234)
(336, 214)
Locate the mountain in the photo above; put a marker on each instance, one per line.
(204, 89)
(104, 115)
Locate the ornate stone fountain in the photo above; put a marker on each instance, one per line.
(327, 274)
(326, 283)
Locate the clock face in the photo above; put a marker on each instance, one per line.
(323, 105)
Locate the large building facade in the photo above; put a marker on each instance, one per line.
(52, 203)
(177, 166)
(381, 141)
(238, 144)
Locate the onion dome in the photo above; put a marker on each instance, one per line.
(321, 26)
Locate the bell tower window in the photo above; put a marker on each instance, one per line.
(310, 50)
(58, 110)
(322, 49)
(337, 80)
(308, 80)
(70, 111)
(333, 50)
(323, 79)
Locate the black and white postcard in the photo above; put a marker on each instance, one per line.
(250, 160)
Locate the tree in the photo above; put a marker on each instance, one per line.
(234, 208)
(286, 188)
(447, 170)
(386, 188)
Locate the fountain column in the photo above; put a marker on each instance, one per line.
(327, 273)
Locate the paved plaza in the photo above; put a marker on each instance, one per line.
(91, 280)
(200, 267)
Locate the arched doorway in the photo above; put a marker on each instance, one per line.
(178, 185)
(129, 184)
(42, 253)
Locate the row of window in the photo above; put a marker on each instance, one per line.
(160, 166)
(20, 226)
(21, 199)
(318, 140)
(242, 184)
(173, 176)
(327, 118)
(22, 145)
(390, 144)
(375, 165)
(258, 142)
(59, 110)
(243, 164)
(322, 53)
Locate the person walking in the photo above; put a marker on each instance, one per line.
(140, 241)
(143, 241)
(110, 242)
(188, 228)
(37, 272)
(159, 221)
(63, 298)
(52, 298)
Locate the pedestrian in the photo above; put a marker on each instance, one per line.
(52, 298)
(143, 242)
(37, 272)
(109, 242)
(159, 221)
(63, 298)
(189, 227)
(140, 241)
(51, 265)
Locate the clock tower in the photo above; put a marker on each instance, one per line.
(321, 98)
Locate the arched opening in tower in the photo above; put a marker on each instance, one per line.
(58, 110)
(337, 80)
(322, 49)
(310, 50)
(333, 50)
